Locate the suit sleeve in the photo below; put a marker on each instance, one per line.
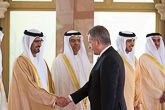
(109, 73)
(80, 94)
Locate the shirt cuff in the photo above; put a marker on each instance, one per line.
(54, 104)
(70, 98)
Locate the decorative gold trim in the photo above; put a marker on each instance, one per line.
(52, 81)
(150, 80)
(28, 75)
(73, 76)
(35, 71)
(53, 84)
(153, 59)
(48, 82)
(148, 77)
(131, 68)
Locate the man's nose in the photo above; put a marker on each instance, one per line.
(157, 42)
(39, 43)
(77, 42)
(133, 43)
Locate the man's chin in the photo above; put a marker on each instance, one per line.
(130, 50)
(76, 50)
(95, 53)
(37, 51)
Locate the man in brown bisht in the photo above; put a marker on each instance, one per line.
(31, 86)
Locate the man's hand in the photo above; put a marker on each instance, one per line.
(162, 99)
(137, 106)
(62, 101)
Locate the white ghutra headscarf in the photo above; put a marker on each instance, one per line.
(1, 37)
(81, 53)
(150, 48)
(121, 45)
(37, 61)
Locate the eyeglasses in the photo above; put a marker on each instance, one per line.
(38, 41)
(74, 40)
(154, 40)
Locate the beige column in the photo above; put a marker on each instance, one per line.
(73, 14)
(161, 10)
(3, 9)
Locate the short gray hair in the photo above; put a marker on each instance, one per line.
(101, 33)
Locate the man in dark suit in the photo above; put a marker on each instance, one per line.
(105, 87)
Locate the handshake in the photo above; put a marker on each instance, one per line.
(62, 101)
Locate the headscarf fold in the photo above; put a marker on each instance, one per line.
(37, 61)
(81, 53)
(150, 48)
(121, 45)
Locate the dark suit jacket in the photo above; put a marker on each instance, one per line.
(105, 87)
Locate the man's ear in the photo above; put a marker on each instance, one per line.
(98, 42)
